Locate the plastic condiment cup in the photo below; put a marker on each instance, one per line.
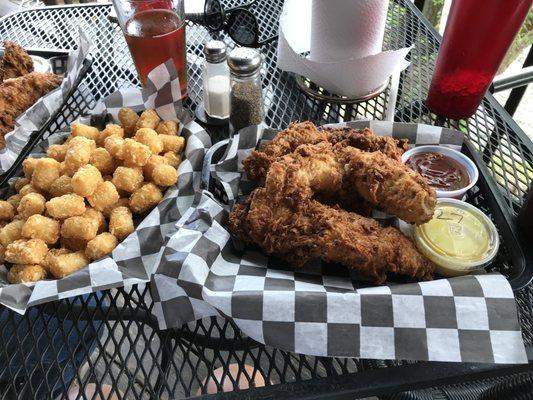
(41, 64)
(471, 169)
(459, 239)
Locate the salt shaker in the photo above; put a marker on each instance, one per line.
(216, 83)
(246, 105)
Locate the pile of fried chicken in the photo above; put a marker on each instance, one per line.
(20, 87)
(316, 188)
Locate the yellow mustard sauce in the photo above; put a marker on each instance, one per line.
(459, 239)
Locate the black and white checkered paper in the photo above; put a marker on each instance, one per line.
(132, 262)
(37, 115)
(325, 310)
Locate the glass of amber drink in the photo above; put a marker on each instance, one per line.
(155, 32)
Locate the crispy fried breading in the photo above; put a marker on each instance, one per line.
(285, 142)
(312, 230)
(15, 62)
(18, 94)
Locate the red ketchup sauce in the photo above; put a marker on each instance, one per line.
(440, 171)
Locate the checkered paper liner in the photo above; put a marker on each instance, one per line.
(326, 310)
(36, 116)
(133, 260)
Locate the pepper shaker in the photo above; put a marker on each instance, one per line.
(215, 78)
(246, 105)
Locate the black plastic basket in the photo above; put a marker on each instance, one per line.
(59, 60)
(514, 259)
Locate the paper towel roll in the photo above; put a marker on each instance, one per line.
(347, 29)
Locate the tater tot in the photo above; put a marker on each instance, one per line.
(115, 146)
(135, 153)
(102, 160)
(78, 154)
(28, 165)
(110, 129)
(79, 228)
(167, 128)
(85, 180)
(2, 254)
(164, 175)
(62, 265)
(39, 227)
(128, 119)
(61, 186)
(80, 141)
(97, 217)
(51, 254)
(22, 251)
(148, 119)
(14, 200)
(47, 170)
(26, 189)
(73, 243)
(143, 199)
(68, 205)
(32, 203)
(26, 273)
(7, 211)
(172, 143)
(128, 179)
(79, 129)
(122, 202)
(101, 246)
(151, 164)
(11, 232)
(105, 195)
(20, 183)
(121, 222)
(150, 138)
(57, 152)
(172, 159)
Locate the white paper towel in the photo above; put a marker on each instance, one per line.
(344, 41)
(345, 29)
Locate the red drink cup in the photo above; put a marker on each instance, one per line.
(477, 36)
(155, 32)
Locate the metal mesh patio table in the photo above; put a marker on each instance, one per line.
(128, 351)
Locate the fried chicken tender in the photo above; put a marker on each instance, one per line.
(26, 273)
(349, 173)
(15, 62)
(389, 184)
(316, 231)
(285, 142)
(19, 94)
(31, 251)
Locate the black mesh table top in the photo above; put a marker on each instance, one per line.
(111, 338)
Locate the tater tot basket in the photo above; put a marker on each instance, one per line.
(133, 260)
(325, 309)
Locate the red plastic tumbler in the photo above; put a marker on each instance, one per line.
(477, 36)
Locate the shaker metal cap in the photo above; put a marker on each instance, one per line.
(244, 61)
(215, 51)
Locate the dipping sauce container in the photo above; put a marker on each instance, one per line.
(459, 239)
(448, 171)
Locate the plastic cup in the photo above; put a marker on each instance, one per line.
(466, 162)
